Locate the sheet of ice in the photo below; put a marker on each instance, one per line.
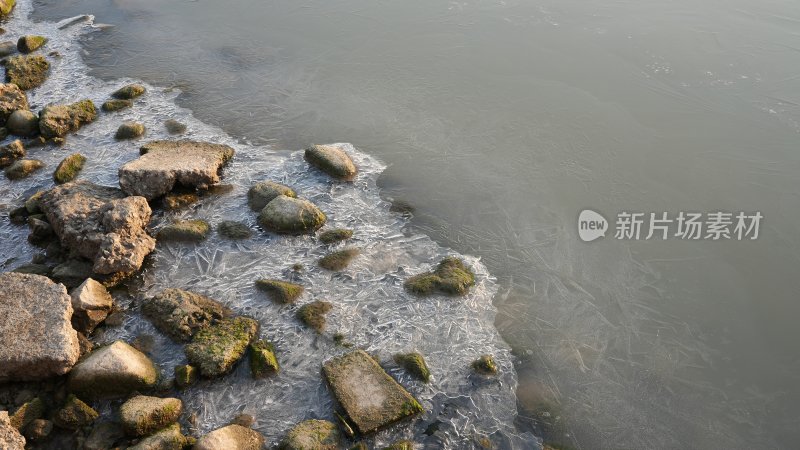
(371, 308)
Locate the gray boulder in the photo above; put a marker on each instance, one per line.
(37, 338)
(164, 165)
(100, 224)
(180, 314)
(266, 191)
(112, 371)
(332, 160)
(291, 215)
(232, 437)
(12, 98)
(91, 303)
(23, 123)
(10, 439)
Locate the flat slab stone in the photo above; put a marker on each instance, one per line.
(100, 224)
(370, 397)
(164, 165)
(36, 337)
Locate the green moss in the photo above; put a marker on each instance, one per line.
(411, 407)
(69, 168)
(129, 92)
(174, 127)
(116, 105)
(313, 314)
(234, 230)
(451, 277)
(262, 359)
(338, 260)
(6, 6)
(401, 445)
(214, 350)
(32, 203)
(186, 230)
(280, 291)
(23, 168)
(27, 71)
(312, 435)
(130, 130)
(341, 340)
(143, 415)
(75, 414)
(185, 376)
(336, 235)
(485, 365)
(27, 413)
(415, 364)
(179, 200)
(30, 43)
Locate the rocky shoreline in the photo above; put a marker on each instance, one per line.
(93, 239)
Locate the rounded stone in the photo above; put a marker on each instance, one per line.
(23, 123)
(291, 215)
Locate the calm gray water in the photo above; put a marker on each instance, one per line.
(500, 121)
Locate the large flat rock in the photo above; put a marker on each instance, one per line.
(36, 338)
(370, 397)
(164, 165)
(100, 224)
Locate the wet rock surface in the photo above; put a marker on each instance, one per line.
(215, 350)
(231, 437)
(116, 105)
(101, 224)
(163, 165)
(369, 396)
(129, 92)
(112, 371)
(180, 314)
(37, 338)
(332, 160)
(291, 215)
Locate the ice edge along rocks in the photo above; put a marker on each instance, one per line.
(104, 232)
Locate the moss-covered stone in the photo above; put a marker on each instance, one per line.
(56, 121)
(234, 230)
(266, 191)
(30, 43)
(116, 105)
(415, 364)
(27, 413)
(451, 277)
(185, 376)
(401, 445)
(281, 291)
(69, 168)
(313, 314)
(313, 434)
(370, 397)
(130, 130)
(291, 215)
(129, 92)
(338, 260)
(215, 350)
(27, 71)
(185, 230)
(143, 415)
(180, 314)
(332, 160)
(335, 235)
(6, 6)
(174, 127)
(75, 414)
(262, 359)
(23, 168)
(485, 365)
(169, 438)
(176, 200)
(11, 152)
(32, 203)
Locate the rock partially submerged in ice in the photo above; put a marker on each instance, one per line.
(185, 231)
(336, 235)
(451, 277)
(338, 260)
(215, 350)
(27, 71)
(316, 434)
(11, 152)
(12, 98)
(91, 303)
(169, 438)
(163, 165)
(281, 291)
(35, 330)
(332, 160)
(262, 359)
(129, 92)
(23, 168)
(112, 371)
(56, 121)
(370, 397)
(313, 314)
(291, 215)
(69, 168)
(231, 437)
(180, 314)
(264, 192)
(30, 43)
(6, 6)
(75, 414)
(101, 224)
(10, 439)
(130, 130)
(143, 415)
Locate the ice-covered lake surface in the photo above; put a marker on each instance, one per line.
(371, 308)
